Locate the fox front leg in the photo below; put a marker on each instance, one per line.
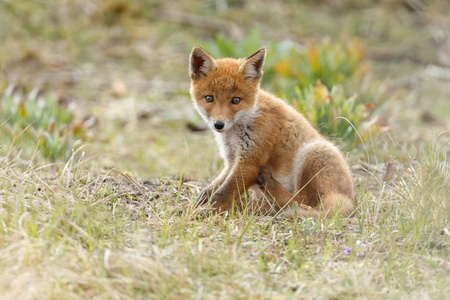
(206, 194)
(243, 176)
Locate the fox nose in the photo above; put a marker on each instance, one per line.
(219, 125)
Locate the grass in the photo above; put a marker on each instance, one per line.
(114, 219)
(70, 232)
(32, 119)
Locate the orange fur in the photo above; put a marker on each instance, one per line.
(265, 143)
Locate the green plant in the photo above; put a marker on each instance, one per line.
(334, 114)
(40, 120)
(332, 63)
(327, 82)
(223, 46)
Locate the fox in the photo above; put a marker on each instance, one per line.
(267, 146)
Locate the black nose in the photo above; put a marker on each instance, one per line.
(219, 125)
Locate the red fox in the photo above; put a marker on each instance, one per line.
(266, 145)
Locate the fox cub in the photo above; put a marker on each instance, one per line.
(267, 146)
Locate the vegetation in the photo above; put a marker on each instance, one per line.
(102, 155)
(31, 120)
(328, 83)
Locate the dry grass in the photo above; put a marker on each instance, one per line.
(70, 232)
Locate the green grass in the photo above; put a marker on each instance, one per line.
(114, 219)
(69, 231)
(31, 119)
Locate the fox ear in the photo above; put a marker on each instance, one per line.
(200, 63)
(252, 67)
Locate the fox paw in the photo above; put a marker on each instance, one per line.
(264, 176)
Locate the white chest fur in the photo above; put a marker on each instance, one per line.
(240, 138)
(235, 142)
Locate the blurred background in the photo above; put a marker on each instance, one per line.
(112, 76)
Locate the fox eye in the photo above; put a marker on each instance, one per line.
(236, 100)
(209, 98)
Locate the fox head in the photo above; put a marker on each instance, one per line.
(225, 90)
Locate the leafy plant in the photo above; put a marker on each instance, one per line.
(327, 82)
(331, 63)
(223, 46)
(40, 120)
(334, 114)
